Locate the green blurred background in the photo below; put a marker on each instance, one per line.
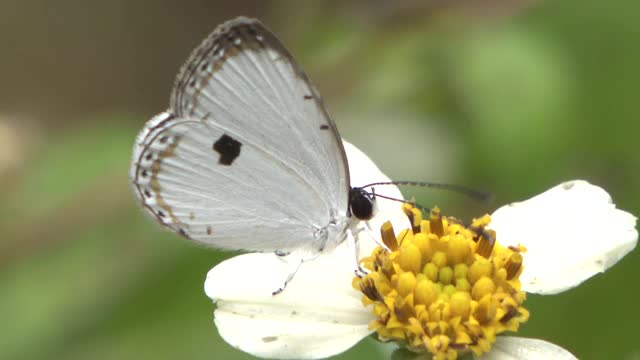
(508, 96)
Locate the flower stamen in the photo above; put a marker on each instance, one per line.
(388, 236)
(444, 288)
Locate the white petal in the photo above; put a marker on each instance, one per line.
(318, 314)
(516, 348)
(572, 232)
(362, 172)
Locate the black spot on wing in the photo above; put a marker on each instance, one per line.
(308, 97)
(324, 127)
(228, 148)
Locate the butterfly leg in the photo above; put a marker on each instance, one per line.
(294, 260)
(378, 240)
(352, 243)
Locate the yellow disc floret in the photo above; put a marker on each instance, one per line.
(444, 288)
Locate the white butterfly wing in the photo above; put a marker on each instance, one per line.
(246, 157)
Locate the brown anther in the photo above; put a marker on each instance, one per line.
(389, 236)
(407, 209)
(368, 287)
(415, 218)
(435, 221)
(513, 265)
(476, 230)
(510, 314)
(384, 265)
(485, 243)
(402, 310)
(485, 312)
(513, 248)
(459, 347)
(384, 318)
(377, 262)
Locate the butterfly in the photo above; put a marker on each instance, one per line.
(246, 156)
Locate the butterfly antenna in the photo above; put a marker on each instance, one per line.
(416, 205)
(394, 199)
(481, 196)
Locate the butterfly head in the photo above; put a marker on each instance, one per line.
(361, 203)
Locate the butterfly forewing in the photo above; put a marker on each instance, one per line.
(246, 156)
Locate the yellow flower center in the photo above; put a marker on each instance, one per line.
(444, 288)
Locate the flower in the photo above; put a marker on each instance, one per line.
(561, 238)
(443, 288)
